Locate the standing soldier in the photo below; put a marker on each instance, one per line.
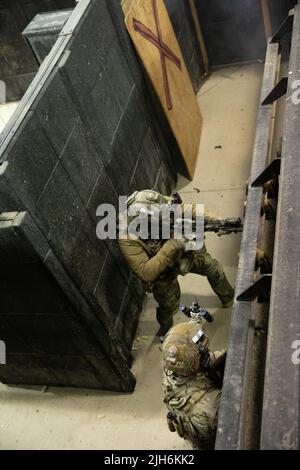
(192, 383)
(159, 262)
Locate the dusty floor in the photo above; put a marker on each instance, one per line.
(81, 419)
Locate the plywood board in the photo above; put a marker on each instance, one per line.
(266, 17)
(150, 28)
(126, 4)
(199, 35)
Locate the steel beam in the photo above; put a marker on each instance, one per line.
(285, 27)
(232, 409)
(280, 418)
(278, 91)
(268, 174)
(260, 290)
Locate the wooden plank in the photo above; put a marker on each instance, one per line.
(232, 411)
(150, 28)
(266, 17)
(199, 35)
(126, 5)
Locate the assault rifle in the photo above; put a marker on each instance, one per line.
(218, 226)
(224, 226)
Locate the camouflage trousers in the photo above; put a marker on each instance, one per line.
(167, 291)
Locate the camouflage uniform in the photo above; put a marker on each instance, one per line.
(192, 381)
(166, 290)
(158, 263)
(195, 402)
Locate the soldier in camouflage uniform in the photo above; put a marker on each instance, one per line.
(159, 262)
(192, 381)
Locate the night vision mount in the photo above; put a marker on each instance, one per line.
(196, 313)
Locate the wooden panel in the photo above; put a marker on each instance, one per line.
(266, 16)
(199, 35)
(126, 5)
(150, 28)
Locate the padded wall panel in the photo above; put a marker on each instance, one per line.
(81, 137)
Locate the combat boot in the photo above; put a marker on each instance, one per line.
(227, 301)
(224, 291)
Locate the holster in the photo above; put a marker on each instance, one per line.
(175, 423)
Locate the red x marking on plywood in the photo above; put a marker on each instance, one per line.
(164, 50)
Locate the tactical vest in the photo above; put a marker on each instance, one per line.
(152, 247)
(180, 391)
(181, 266)
(193, 405)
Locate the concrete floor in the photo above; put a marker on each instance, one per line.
(83, 419)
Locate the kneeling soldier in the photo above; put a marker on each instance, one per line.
(192, 382)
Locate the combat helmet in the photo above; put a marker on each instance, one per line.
(149, 207)
(148, 203)
(146, 207)
(147, 196)
(184, 348)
